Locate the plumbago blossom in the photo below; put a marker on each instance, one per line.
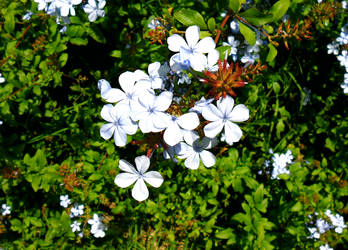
(156, 104)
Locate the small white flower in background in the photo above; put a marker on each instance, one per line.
(94, 9)
(75, 226)
(139, 175)
(42, 4)
(332, 48)
(119, 124)
(285, 18)
(222, 116)
(2, 79)
(344, 86)
(28, 15)
(249, 58)
(212, 60)
(201, 104)
(343, 58)
(325, 247)
(183, 78)
(233, 44)
(77, 211)
(67, 6)
(343, 38)
(344, 4)
(191, 49)
(254, 48)
(154, 24)
(1, 122)
(314, 233)
(153, 78)
(177, 126)
(322, 225)
(149, 111)
(5, 210)
(63, 29)
(195, 151)
(64, 201)
(337, 221)
(307, 96)
(234, 26)
(98, 227)
(280, 162)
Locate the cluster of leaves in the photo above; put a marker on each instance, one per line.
(50, 143)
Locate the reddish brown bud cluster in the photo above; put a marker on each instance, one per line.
(230, 76)
(158, 34)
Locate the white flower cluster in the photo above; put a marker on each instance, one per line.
(5, 210)
(334, 47)
(148, 102)
(97, 227)
(279, 163)
(63, 8)
(322, 225)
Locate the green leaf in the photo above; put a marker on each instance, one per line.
(190, 17)
(255, 17)
(116, 53)
(211, 24)
(272, 53)
(330, 144)
(223, 50)
(259, 193)
(9, 24)
(63, 59)
(79, 41)
(249, 34)
(276, 87)
(234, 5)
(279, 9)
(297, 207)
(225, 234)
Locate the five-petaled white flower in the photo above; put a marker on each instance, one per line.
(98, 227)
(233, 43)
(195, 151)
(223, 116)
(139, 175)
(5, 209)
(64, 201)
(67, 6)
(149, 111)
(177, 126)
(76, 211)
(153, 78)
(119, 124)
(325, 247)
(192, 49)
(94, 9)
(75, 226)
(201, 104)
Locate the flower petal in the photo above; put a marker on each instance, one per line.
(192, 162)
(124, 180)
(225, 105)
(127, 167)
(127, 80)
(142, 163)
(128, 125)
(190, 137)
(208, 159)
(140, 191)
(240, 113)
(205, 45)
(173, 135)
(113, 95)
(232, 132)
(108, 113)
(163, 101)
(211, 113)
(192, 35)
(175, 42)
(213, 128)
(198, 61)
(153, 68)
(188, 121)
(120, 137)
(107, 130)
(154, 178)
(213, 58)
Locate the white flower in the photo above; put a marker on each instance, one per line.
(63, 29)
(2, 79)
(192, 49)
(75, 226)
(344, 86)
(223, 116)
(233, 44)
(332, 48)
(343, 58)
(131, 89)
(28, 15)
(149, 111)
(5, 209)
(119, 124)
(76, 211)
(343, 38)
(153, 79)
(337, 221)
(234, 26)
(344, 4)
(212, 59)
(64, 201)
(280, 162)
(314, 233)
(325, 247)
(42, 4)
(94, 9)
(201, 104)
(98, 227)
(1, 122)
(322, 225)
(195, 151)
(67, 6)
(254, 48)
(139, 175)
(154, 24)
(249, 58)
(177, 126)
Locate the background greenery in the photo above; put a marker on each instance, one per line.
(50, 143)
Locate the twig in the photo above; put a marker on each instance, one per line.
(221, 26)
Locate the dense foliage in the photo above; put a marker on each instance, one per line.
(50, 142)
